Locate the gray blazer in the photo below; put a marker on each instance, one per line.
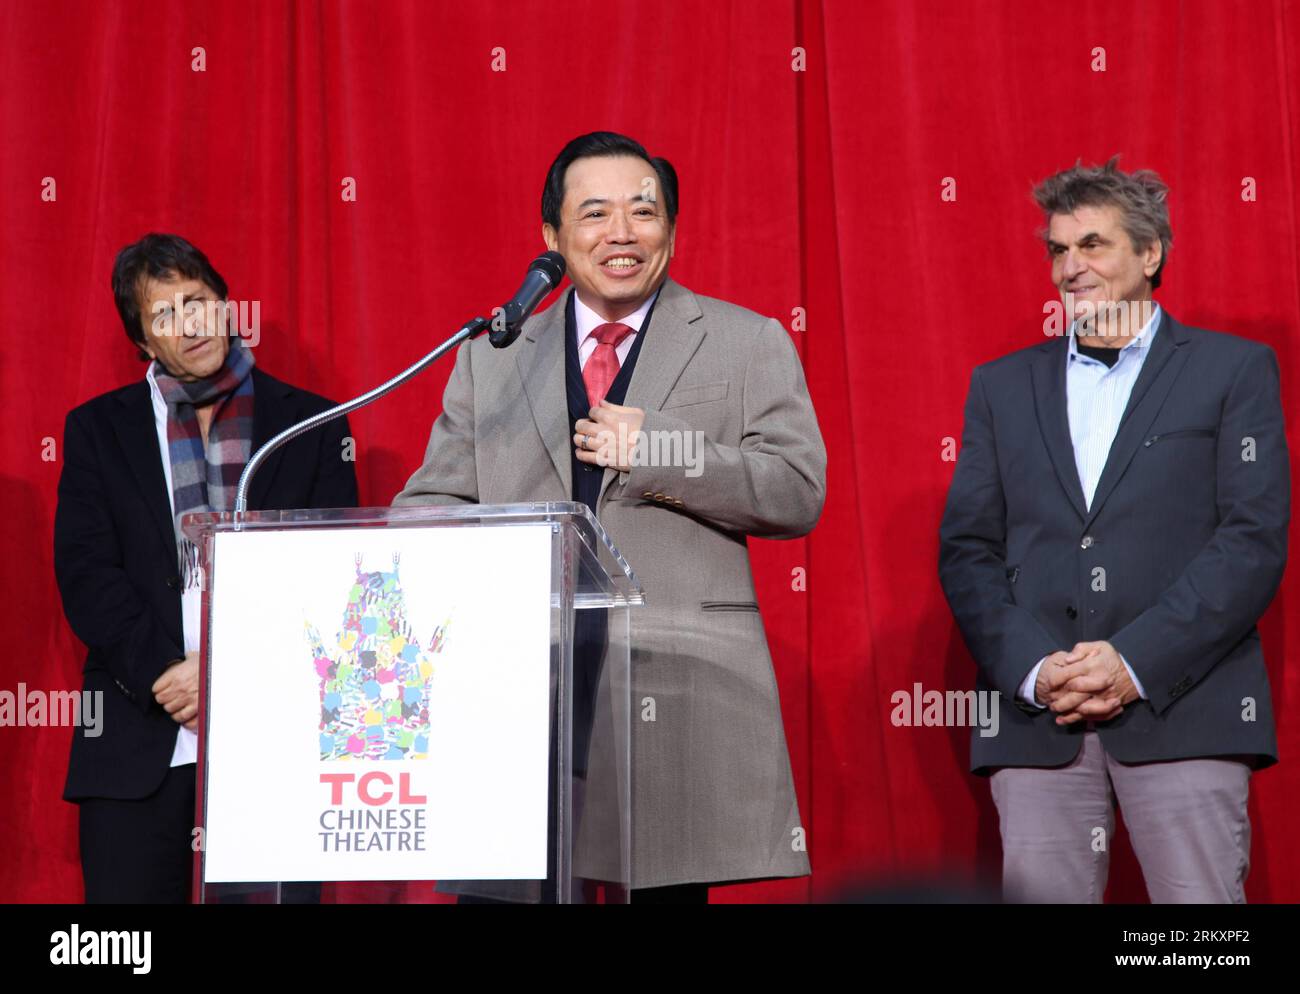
(713, 796)
(1192, 538)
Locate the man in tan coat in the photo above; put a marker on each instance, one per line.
(627, 364)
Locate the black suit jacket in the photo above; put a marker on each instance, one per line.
(116, 563)
(1191, 539)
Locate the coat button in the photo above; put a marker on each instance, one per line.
(1086, 543)
(1070, 612)
(174, 582)
(659, 496)
(648, 495)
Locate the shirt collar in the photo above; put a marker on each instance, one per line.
(1141, 340)
(154, 391)
(586, 320)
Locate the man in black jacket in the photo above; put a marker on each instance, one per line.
(134, 460)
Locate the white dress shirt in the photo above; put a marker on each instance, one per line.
(1097, 395)
(187, 743)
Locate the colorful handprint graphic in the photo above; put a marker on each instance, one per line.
(374, 689)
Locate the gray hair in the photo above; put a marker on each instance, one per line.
(1141, 197)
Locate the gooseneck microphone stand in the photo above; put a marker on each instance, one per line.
(543, 276)
(466, 332)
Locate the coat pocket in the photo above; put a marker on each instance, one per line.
(728, 606)
(704, 393)
(1180, 433)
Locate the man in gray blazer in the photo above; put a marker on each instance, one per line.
(1116, 525)
(628, 363)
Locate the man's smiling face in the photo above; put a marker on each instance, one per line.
(614, 233)
(1093, 258)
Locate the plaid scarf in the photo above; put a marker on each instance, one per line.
(207, 480)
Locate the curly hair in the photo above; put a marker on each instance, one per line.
(1141, 196)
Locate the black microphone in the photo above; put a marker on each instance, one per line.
(544, 275)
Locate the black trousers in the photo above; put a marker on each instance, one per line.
(140, 852)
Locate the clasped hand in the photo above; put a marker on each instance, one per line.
(1090, 682)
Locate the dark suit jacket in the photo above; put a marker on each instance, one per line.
(116, 563)
(1192, 538)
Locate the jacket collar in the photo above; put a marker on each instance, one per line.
(674, 333)
(137, 433)
(273, 411)
(1154, 382)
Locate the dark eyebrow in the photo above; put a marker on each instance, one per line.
(632, 198)
(165, 303)
(1052, 246)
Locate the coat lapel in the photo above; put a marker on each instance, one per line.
(1048, 372)
(1153, 384)
(271, 415)
(137, 433)
(541, 370)
(673, 336)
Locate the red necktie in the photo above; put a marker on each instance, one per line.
(602, 367)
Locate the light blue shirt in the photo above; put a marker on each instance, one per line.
(1096, 396)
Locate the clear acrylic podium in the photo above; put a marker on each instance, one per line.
(416, 704)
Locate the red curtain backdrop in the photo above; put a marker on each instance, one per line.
(813, 140)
